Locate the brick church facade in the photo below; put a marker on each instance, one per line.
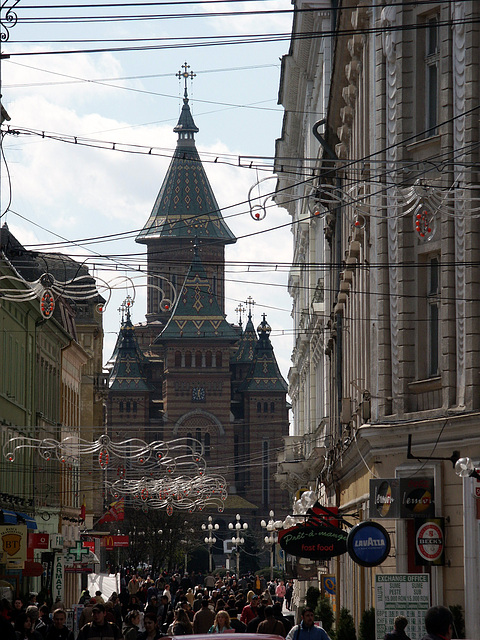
(186, 372)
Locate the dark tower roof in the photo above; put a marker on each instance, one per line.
(264, 374)
(197, 314)
(127, 373)
(186, 206)
(246, 346)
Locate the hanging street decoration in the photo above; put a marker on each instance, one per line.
(81, 288)
(161, 475)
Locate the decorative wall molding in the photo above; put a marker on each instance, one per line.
(458, 28)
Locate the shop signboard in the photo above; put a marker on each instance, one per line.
(313, 542)
(417, 497)
(58, 576)
(112, 542)
(405, 594)
(56, 541)
(429, 541)
(402, 498)
(368, 544)
(385, 498)
(13, 545)
(39, 540)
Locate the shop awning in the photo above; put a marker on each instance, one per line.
(28, 520)
(15, 517)
(9, 517)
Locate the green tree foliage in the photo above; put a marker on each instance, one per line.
(366, 630)
(312, 597)
(164, 550)
(458, 621)
(346, 626)
(324, 613)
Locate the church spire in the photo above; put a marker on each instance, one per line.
(186, 206)
(186, 127)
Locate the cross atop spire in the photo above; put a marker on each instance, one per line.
(185, 74)
(240, 310)
(250, 302)
(125, 308)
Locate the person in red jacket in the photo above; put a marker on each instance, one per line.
(249, 612)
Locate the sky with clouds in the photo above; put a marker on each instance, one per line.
(53, 190)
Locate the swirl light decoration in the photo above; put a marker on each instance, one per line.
(177, 471)
(9, 21)
(424, 202)
(47, 289)
(259, 211)
(186, 493)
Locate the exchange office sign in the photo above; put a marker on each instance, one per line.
(313, 541)
(401, 594)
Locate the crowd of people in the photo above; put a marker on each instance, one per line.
(147, 608)
(33, 622)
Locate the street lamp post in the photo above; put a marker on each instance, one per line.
(271, 526)
(210, 540)
(237, 538)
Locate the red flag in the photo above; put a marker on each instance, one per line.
(83, 510)
(115, 513)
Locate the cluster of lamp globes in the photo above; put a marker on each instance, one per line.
(300, 509)
(210, 527)
(237, 527)
(465, 468)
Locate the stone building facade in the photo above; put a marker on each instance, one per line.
(396, 186)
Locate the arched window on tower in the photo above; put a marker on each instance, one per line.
(134, 407)
(265, 407)
(198, 359)
(208, 359)
(219, 359)
(188, 359)
(259, 407)
(128, 406)
(178, 359)
(120, 406)
(272, 407)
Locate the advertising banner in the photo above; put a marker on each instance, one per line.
(368, 544)
(385, 498)
(402, 498)
(429, 541)
(417, 497)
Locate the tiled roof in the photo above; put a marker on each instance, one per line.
(264, 374)
(197, 314)
(186, 206)
(127, 373)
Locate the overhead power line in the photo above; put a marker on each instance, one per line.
(239, 39)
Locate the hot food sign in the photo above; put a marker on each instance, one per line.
(313, 540)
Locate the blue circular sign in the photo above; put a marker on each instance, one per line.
(368, 544)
